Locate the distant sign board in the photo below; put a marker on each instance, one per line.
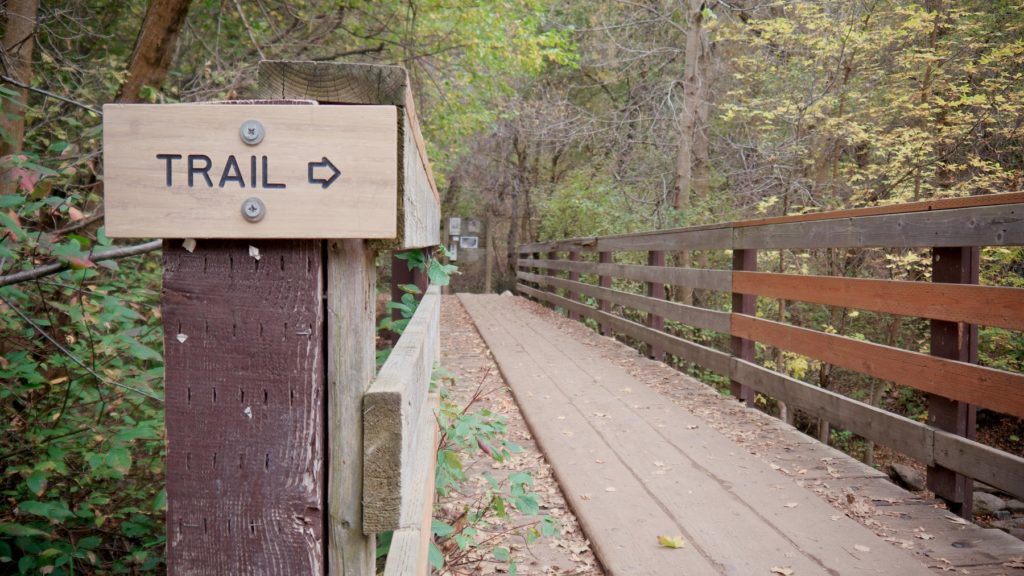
(469, 242)
(250, 171)
(454, 226)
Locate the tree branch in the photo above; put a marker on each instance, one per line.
(55, 267)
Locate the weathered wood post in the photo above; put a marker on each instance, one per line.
(958, 341)
(574, 276)
(269, 314)
(656, 290)
(742, 348)
(604, 281)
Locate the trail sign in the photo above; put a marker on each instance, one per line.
(250, 171)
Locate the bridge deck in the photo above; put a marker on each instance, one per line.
(634, 465)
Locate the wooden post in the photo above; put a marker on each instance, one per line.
(243, 351)
(604, 282)
(574, 256)
(654, 290)
(351, 363)
(551, 255)
(745, 260)
(960, 342)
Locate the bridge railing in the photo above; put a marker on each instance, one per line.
(953, 302)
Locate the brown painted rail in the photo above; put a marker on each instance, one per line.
(955, 305)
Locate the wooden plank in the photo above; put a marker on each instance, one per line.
(574, 276)
(604, 259)
(409, 549)
(351, 365)
(685, 314)
(182, 171)
(901, 434)
(419, 215)
(925, 206)
(570, 245)
(244, 407)
(994, 389)
(391, 419)
(594, 420)
(743, 348)
(984, 305)
(720, 280)
(709, 358)
(989, 465)
(1001, 225)
(718, 236)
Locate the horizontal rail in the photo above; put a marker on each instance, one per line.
(393, 409)
(720, 280)
(984, 305)
(921, 442)
(709, 358)
(987, 387)
(689, 315)
(992, 220)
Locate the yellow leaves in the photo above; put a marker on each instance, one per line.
(669, 542)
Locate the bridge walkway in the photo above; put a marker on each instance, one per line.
(745, 492)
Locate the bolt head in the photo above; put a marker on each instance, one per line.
(251, 132)
(253, 209)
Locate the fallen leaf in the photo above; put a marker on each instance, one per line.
(782, 571)
(669, 542)
(792, 504)
(610, 489)
(1015, 562)
(75, 214)
(254, 252)
(692, 427)
(584, 496)
(925, 536)
(189, 244)
(182, 337)
(861, 548)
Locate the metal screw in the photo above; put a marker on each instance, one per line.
(252, 132)
(253, 209)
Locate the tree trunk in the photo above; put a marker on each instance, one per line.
(692, 81)
(488, 254)
(19, 40)
(154, 47)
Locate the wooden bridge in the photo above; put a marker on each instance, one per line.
(755, 495)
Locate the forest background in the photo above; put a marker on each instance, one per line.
(543, 118)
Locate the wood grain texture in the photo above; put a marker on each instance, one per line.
(333, 82)
(682, 313)
(989, 465)
(361, 142)
(743, 348)
(720, 280)
(707, 357)
(994, 389)
(925, 206)
(392, 409)
(697, 238)
(1001, 225)
(351, 366)
(410, 546)
(420, 214)
(984, 305)
(245, 388)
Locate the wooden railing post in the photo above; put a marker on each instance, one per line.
(957, 341)
(655, 290)
(574, 276)
(742, 348)
(551, 255)
(605, 282)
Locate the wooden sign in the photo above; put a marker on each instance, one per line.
(250, 171)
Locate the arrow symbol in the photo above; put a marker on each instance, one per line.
(323, 163)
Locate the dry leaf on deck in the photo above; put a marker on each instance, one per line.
(669, 542)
